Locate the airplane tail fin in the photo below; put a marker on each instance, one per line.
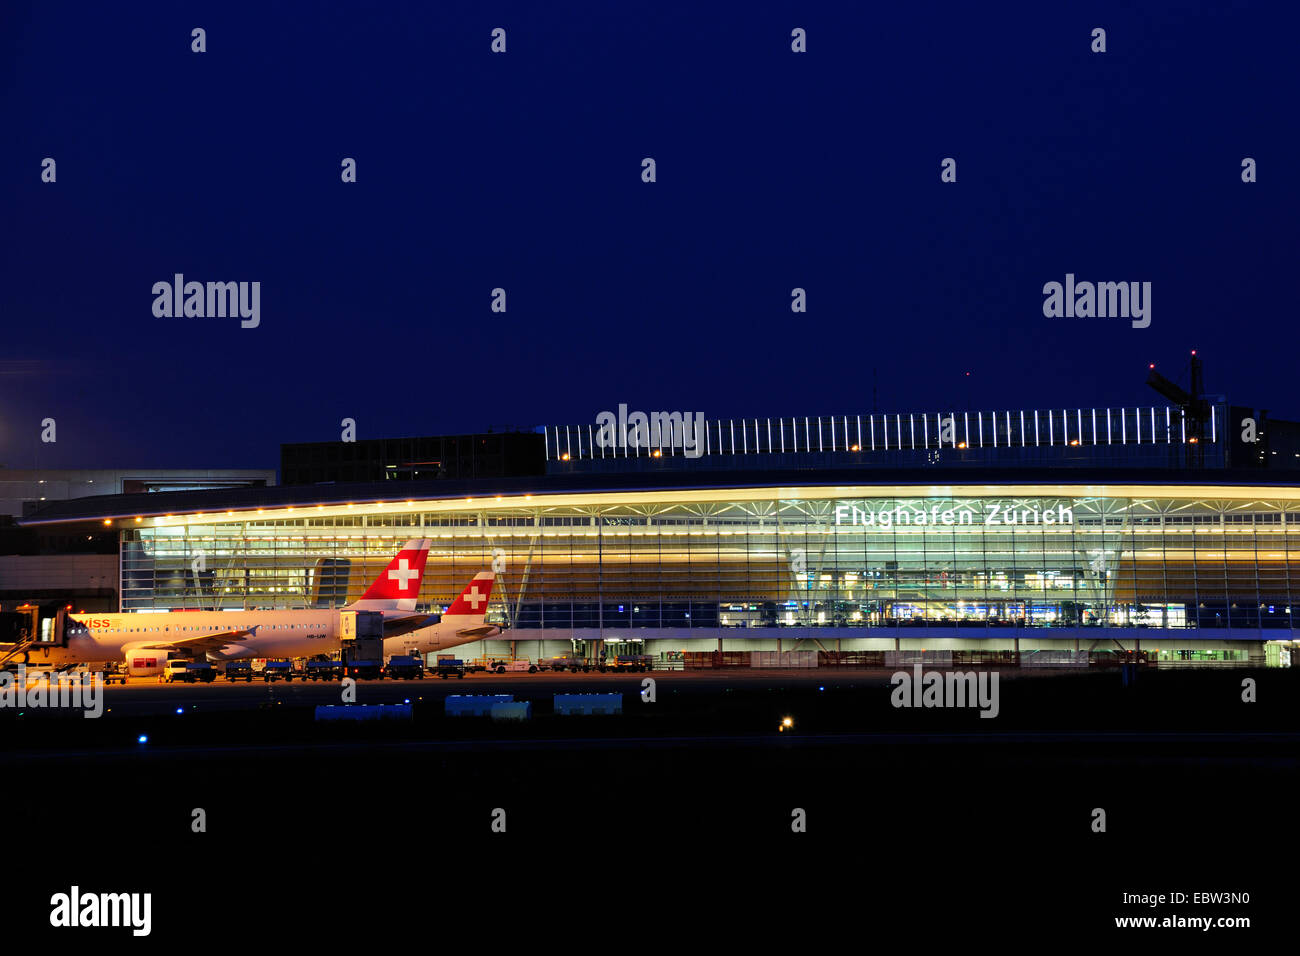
(473, 601)
(398, 585)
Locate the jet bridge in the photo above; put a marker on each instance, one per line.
(24, 631)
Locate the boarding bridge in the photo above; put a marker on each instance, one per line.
(22, 630)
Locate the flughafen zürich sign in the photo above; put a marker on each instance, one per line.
(994, 513)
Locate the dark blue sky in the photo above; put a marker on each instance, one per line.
(775, 170)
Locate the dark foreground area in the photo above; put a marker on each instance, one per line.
(920, 823)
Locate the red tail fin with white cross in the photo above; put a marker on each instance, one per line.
(473, 601)
(398, 585)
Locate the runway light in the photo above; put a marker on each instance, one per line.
(564, 457)
(107, 522)
(855, 448)
(961, 444)
(787, 723)
(138, 519)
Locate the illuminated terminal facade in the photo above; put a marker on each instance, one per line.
(1177, 554)
(849, 567)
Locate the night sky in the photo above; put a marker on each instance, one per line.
(775, 170)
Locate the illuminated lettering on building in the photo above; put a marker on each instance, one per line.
(993, 514)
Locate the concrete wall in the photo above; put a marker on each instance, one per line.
(19, 486)
(41, 577)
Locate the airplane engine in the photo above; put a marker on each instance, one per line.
(145, 663)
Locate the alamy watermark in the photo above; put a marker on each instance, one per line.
(75, 908)
(1101, 300)
(951, 689)
(212, 300)
(81, 691)
(656, 430)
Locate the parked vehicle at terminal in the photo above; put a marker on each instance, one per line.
(322, 670)
(450, 667)
(114, 673)
(277, 670)
(188, 672)
(239, 670)
(405, 667)
(628, 662)
(502, 665)
(364, 670)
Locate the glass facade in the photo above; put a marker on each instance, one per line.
(738, 559)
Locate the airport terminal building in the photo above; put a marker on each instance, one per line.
(1031, 530)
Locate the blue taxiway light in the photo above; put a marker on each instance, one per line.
(142, 739)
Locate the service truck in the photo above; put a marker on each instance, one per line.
(501, 665)
(277, 670)
(405, 667)
(189, 672)
(362, 636)
(322, 670)
(628, 662)
(450, 667)
(239, 670)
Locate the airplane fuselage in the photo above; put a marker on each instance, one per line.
(103, 637)
(272, 634)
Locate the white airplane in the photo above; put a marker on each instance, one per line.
(462, 623)
(144, 641)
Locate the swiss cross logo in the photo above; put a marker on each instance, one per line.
(401, 577)
(402, 574)
(474, 597)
